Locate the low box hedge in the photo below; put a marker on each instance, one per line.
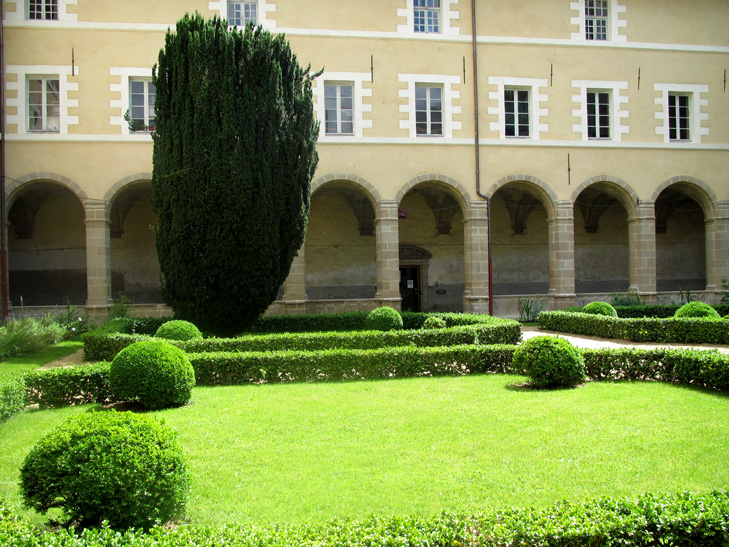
(12, 395)
(89, 383)
(103, 346)
(694, 330)
(651, 519)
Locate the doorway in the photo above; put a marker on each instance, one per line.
(410, 290)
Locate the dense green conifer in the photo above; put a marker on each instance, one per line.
(234, 155)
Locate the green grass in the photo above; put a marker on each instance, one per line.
(310, 452)
(26, 363)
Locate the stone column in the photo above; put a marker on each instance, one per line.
(717, 248)
(561, 256)
(98, 257)
(476, 255)
(294, 290)
(642, 242)
(387, 255)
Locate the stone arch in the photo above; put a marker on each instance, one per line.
(15, 187)
(603, 206)
(340, 251)
(460, 193)
(622, 191)
(696, 188)
(546, 195)
(115, 188)
(368, 189)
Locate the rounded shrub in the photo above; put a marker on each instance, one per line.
(178, 330)
(696, 309)
(434, 322)
(384, 318)
(600, 308)
(154, 372)
(550, 362)
(125, 468)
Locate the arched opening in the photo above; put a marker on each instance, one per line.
(602, 248)
(46, 246)
(519, 241)
(340, 244)
(680, 240)
(134, 264)
(432, 269)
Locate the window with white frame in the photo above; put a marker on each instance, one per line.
(338, 108)
(242, 13)
(679, 117)
(42, 10)
(598, 114)
(516, 112)
(141, 115)
(426, 15)
(44, 104)
(429, 110)
(596, 19)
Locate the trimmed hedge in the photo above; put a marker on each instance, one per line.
(12, 395)
(495, 331)
(690, 330)
(651, 519)
(89, 383)
(663, 310)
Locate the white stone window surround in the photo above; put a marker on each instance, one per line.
(20, 102)
(356, 79)
(21, 12)
(537, 113)
(265, 12)
(696, 101)
(448, 14)
(121, 105)
(618, 107)
(615, 22)
(450, 98)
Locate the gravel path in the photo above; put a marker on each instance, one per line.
(597, 342)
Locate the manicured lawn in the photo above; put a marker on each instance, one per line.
(18, 365)
(281, 453)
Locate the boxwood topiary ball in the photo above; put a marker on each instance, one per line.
(178, 330)
(434, 322)
(600, 308)
(154, 372)
(125, 468)
(550, 362)
(384, 318)
(696, 309)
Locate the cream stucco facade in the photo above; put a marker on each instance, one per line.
(585, 152)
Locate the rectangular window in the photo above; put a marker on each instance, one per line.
(427, 15)
(678, 117)
(598, 115)
(429, 110)
(43, 10)
(596, 19)
(516, 107)
(242, 13)
(141, 105)
(44, 108)
(338, 109)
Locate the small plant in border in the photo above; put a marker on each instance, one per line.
(178, 330)
(696, 309)
(550, 362)
(434, 322)
(600, 308)
(383, 318)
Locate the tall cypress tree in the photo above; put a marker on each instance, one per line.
(234, 155)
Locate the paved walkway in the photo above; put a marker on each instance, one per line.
(597, 342)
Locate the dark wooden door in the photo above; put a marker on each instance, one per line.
(410, 291)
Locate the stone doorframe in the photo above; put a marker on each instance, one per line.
(412, 255)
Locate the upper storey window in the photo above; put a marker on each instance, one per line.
(429, 110)
(141, 108)
(43, 10)
(679, 117)
(426, 15)
(242, 13)
(339, 104)
(596, 19)
(44, 104)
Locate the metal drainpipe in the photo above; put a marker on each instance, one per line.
(3, 228)
(478, 153)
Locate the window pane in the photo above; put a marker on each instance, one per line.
(437, 129)
(347, 127)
